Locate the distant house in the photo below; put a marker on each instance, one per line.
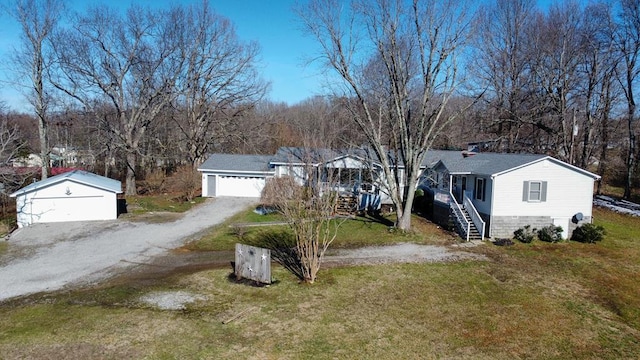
(30, 160)
(498, 193)
(485, 194)
(73, 196)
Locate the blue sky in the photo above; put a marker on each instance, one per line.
(272, 24)
(284, 49)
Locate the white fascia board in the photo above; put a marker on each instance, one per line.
(554, 160)
(28, 189)
(292, 164)
(266, 173)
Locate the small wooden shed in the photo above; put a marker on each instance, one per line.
(73, 196)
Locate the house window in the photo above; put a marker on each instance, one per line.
(534, 191)
(480, 189)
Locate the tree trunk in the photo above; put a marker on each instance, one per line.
(44, 146)
(130, 184)
(632, 149)
(404, 220)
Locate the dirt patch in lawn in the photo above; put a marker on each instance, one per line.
(170, 300)
(398, 253)
(181, 261)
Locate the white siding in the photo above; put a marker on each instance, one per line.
(568, 192)
(296, 171)
(66, 201)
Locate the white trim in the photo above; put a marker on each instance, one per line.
(552, 159)
(258, 173)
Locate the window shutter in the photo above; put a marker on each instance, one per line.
(525, 191)
(484, 189)
(543, 195)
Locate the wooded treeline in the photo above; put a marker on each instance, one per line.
(148, 89)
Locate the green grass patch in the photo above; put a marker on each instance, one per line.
(248, 227)
(3, 246)
(159, 203)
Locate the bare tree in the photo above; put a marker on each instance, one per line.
(128, 62)
(12, 144)
(11, 141)
(38, 20)
(398, 64)
(557, 52)
(219, 81)
(309, 210)
(502, 70)
(596, 70)
(627, 41)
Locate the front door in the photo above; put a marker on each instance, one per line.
(211, 186)
(463, 188)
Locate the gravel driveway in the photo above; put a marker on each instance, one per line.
(46, 257)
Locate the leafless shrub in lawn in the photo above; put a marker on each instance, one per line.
(239, 231)
(308, 210)
(155, 181)
(186, 181)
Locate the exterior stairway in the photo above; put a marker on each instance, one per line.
(347, 205)
(474, 233)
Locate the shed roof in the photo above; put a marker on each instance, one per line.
(77, 176)
(237, 162)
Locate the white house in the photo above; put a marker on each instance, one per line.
(73, 196)
(487, 194)
(235, 175)
(503, 192)
(246, 175)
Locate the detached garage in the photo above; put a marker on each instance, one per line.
(74, 196)
(235, 175)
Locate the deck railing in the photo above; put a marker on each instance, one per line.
(473, 213)
(462, 224)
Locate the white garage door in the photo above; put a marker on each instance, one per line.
(240, 186)
(47, 210)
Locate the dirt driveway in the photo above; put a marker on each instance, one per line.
(47, 257)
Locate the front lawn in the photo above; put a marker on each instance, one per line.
(360, 231)
(535, 301)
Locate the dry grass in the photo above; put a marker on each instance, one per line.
(539, 301)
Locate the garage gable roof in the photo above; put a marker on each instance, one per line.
(236, 162)
(78, 176)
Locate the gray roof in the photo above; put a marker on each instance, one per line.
(301, 155)
(485, 163)
(236, 162)
(78, 176)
